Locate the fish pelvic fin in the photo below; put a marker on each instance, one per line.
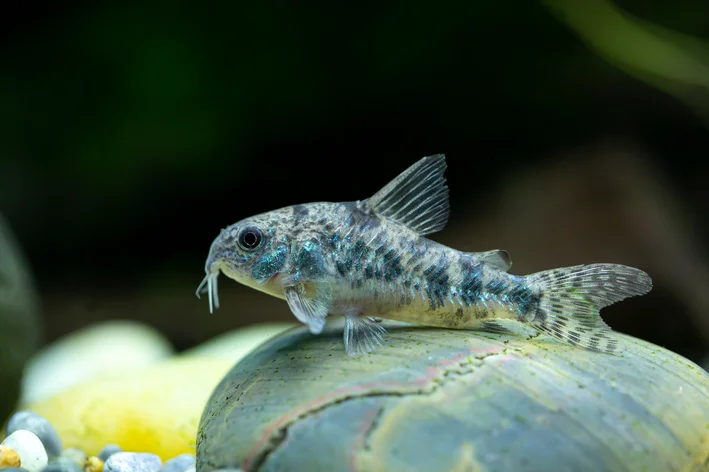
(571, 298)
(362, 334)
(495, 327)
(417, 198)
(309, 303)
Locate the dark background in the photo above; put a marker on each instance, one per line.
(130, 135)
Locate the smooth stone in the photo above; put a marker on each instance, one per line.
(180, 463)
(33, 456)
(62, 464)
(30, 421)
(234, 345)
(20, 319)
(154, 409)
(76, 455)
(439, 399)
(101, 350)
(108, 451)
(132, 462)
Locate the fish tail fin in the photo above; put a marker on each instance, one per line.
(571, 298)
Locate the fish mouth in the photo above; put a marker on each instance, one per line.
(210, 280)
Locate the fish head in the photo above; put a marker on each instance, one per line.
(252, 252)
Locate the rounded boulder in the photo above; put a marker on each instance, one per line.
(443, 400)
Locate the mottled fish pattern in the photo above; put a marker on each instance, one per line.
(370, 259)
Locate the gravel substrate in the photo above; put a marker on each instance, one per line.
(33, 445)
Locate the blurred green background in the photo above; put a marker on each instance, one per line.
(576, 132)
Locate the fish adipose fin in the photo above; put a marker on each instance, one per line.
(417, 198)
(309, 309)
(362, 335)
(497, 258)
(571, 298)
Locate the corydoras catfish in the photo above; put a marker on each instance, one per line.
(370, 259)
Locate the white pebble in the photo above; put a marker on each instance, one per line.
(132, 462)
(33, 456)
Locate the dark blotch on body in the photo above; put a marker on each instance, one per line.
(358, 218)
(341, 268)
(391, 265)
(437, 286)
(456, 318)
(335, 241)
(309, 262)
(481, 314)
(269, 264)
(300, 212)
(496, 287)
(524, 299)
(471, 287)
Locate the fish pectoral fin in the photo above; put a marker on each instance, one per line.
(497, 258)
(309, 308)
(362, 335)
(417, 198)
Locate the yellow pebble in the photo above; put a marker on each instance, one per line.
(8, 457)
(94, 464)
(156, 409)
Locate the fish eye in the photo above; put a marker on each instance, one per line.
(250, 238)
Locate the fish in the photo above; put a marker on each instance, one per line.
(371, 259)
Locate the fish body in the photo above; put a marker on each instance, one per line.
(371, 259)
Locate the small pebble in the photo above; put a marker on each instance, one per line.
(108, 451)
(33, 456)
(94, 464)
(8, 458)
(62, 464)
(133, 462)
(35, 423)
(76, 455)
(180, 463)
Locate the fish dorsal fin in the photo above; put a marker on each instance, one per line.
(417, 198)
(497, 258)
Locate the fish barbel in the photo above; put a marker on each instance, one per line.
(370, 259)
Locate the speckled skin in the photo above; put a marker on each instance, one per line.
(371, 258)
(375, 267)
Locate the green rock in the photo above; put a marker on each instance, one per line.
(444, 400)
(19, 319)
